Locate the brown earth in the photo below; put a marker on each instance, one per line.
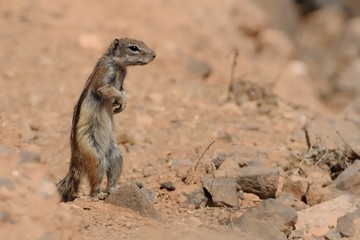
(177, 106)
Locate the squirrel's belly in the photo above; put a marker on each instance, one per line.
(94, 128)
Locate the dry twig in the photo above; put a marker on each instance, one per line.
(203, 153)
(232, 73)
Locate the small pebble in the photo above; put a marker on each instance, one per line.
(168, 186)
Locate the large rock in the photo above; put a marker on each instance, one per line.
(271, 220)
(129, 195)
(260, 180)
(222, 190)
(332, 142)
(318, 220)
(349, 179)
(349, 224)
(333, 134)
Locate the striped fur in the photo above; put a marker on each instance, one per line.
(94, 151)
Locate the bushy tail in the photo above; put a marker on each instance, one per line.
(69, 186)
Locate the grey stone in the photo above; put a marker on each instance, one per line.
(6, 217)
(347, 173)
(219, 159)
(222, 190)
(333, 234)
(150, 195)
(349, 224)
(6, 182)
(286, 216)
(271, 220)
(196, 198)
(260, 180)
(7, 150)
(129, 195)
(349, 179)
(168, 186)
(28, 157)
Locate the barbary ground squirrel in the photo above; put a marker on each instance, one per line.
(93, 148)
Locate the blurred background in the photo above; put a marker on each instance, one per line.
(50, 48)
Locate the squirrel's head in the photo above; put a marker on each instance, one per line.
(127, 52)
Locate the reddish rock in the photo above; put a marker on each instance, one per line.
(296, 185)
(317, 194)
(318, 220)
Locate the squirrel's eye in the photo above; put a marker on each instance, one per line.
(134, 48)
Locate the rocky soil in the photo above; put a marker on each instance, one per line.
(245, 126)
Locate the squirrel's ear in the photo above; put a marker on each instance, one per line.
(115, 44)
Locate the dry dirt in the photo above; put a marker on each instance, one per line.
(176, 108)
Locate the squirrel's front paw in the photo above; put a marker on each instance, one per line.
(120, 104)
(118, 108)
